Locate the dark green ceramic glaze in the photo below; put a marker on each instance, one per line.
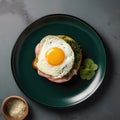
(40, 89)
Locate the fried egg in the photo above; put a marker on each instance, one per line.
(56, 57)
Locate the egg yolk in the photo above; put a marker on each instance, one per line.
(55, 56)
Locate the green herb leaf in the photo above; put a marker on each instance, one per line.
(89, 63)
(86, 73)
(87, 70)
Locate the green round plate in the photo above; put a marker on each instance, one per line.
(40, 89)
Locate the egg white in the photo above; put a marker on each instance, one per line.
(58, 71)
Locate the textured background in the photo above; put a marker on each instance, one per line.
(103, 15)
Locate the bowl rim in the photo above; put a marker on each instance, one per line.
(7, 99)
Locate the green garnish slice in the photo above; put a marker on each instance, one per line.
(87, 70)
(89, 63)
(86, 73)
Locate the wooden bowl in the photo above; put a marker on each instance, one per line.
(14, 108)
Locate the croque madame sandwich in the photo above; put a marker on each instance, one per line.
(58, 58)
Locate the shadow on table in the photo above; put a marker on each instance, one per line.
(30, 114)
